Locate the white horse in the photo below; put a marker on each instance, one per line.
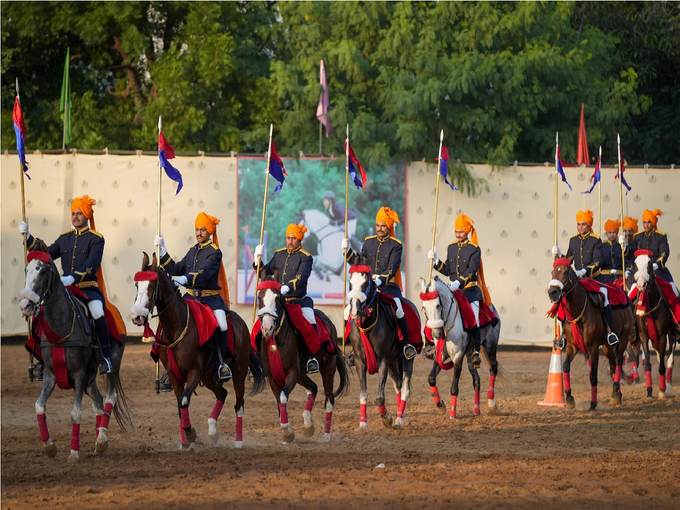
(444, 319)
(329, 259)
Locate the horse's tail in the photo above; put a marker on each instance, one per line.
(500, 371)
(121, 411)
(341, 367)
(258, 372)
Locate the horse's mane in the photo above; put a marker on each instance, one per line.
(39, 245)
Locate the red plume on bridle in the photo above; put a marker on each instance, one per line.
(42, 256)
(359, 269)
(145, 276)
(270, 284)
(562, 261)
(428, 296)
(649, 253)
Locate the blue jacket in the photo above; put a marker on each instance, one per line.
(656, 242)
(587, 252)
(383, 256)
(294, 269)
(462, 264)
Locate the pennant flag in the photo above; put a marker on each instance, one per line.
(276, 168)
(560, 169)
(444, 167)
(352, 169)
(65, 101)
(166, 152)
(324, 102)
(20, 130)
(582, 157)
(622, 170)
(595, 178)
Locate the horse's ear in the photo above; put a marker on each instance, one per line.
(423, 285)
(154, 262)
(571, 259)
(276, 274)
(40, 245)
(145, 260)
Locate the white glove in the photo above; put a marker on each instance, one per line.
(160, 242)
(23, 228)
(433, 255)
(345, 243)
(581, 272)
(259, 249)
(622, 239)
(655, 266)
(614, 271)
(285, 289)
(67, 280)
(179, 280)
(556, 251)
(627, 274)
(454, 285)
(378, 282)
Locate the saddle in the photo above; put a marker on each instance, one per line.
(303, 330)
(411, 316)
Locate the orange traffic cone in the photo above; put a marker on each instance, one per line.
(554, 394)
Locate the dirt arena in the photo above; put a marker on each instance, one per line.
(525, 456)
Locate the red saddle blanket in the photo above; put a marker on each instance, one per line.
(668, 294)
(486, 315)
(616, 296)
(205, 320)
(312, 340)
(412, 319)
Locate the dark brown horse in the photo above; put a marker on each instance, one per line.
(187, 363)
(586, 330)
(654, 322)
(284, 357)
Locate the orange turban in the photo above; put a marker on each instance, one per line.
(209, 222)
(651, 216)
(297, 230)
(467, 224)
(464, 223)
(611, 225)
(388, 216)
(85, 204)
(630, 224)
(585, 217)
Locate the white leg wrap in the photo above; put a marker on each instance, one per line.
(400, 310)
(309, 315)
(96, 309)
(221, 317)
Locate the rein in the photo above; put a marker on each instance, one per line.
(368, 306)
(564, 300)
(181, 336)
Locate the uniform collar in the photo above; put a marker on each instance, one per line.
(81, 231)
(290, 252)
(583, 236)
(463, 243)
(649, 233)
(207, 243)
(382, 239)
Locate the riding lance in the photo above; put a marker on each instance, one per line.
(264, 210)
(344, 254)
(436, 202)
(158, 248)
(557, 152)
(623, 250)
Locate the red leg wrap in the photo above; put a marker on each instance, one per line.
(217, 409)
(239, 428)
(398, 399)
(454, 399)
(617, 375)
(435, 395)
(42, 425)
(567, 381)
(669, 375)
(75, 437)
(184, 419)
(309, 405)
(106, 416)
(184, 436)
(593, 394)
(383, 410)
(283, 411)
(402, 406)
(363, 417)
(590, 367)
(634, 365)
(476, 401)
(329, 420)
(662, 383)
(492, 386)
(648, 377)
(97, 424)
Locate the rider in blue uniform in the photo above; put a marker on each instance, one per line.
(657, 242)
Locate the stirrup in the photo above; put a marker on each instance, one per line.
(560, 343)
(476, 360)
(410, 352)
(164, 384)
(612, 338)
(224, 372)
(38, 370)
(312, 366)
(105, 367)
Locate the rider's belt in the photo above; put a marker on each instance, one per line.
(203, 293)
(471, 284)
(86, 284)
(607, 271)
(294, 298)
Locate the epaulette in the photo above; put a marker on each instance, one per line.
(305, 252)
(96, 233)
(590, 234)
(395, 239)
(662, 233)
(214, 246)
(370, 237)
(282, 249)
(577, 235)
(65, 233)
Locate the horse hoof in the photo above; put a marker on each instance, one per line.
(363, 425)
(615, 400)
(238, 444)
(570, 402)
(191, 435)
(492, 407)
(326, 437)
(288, 435)
(102, 443)
(50, 449)
(397, 423)
(387, 420)
(593, 405)
(441, 408)
(662, 395)
(213, 437)
(184, 447)
(308, 431)
(73, 458)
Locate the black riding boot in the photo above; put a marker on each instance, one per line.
(611, 337)
(223, 357)
(102, 330)
(477, 339)
(409, 351)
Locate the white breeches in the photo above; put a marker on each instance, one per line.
(606, 297)
(400, 310)
(221, 317)
(96, 309)
(309, 315)
(475, 310)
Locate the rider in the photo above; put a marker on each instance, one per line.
(657, 242)
(585, 249)
(81, 251)
(630, 227)
(382, 253)
(201, 272)
(294, 266)
(612, 255)
(336, 213)
(463, 266)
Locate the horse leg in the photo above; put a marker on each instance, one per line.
(97, 406)
(566, 369)
(475, 384)
(327, 376)
(288, 432)
(594, 359)
(434, 391)
(187, 432)
(404, 394)
(380, 399)
(76, 418)
(615, 368)
(312, 390)
(457, 369)
(644, 342)
(493, 372)
(102, 442)
(220, 396)
(363, 392)
(49, 382)
(670, 361)
(633, 356)
(662, 367)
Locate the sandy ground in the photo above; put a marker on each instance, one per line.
(525, 456)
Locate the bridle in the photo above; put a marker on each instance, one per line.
(448, 312)
(154, 297)
(278, 319)
(572, 286)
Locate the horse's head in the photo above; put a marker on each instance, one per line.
(41, 277)
(361, 290)
(562, 278)
(432, 306)
(146, 282)
(645, 269)
(271, 306)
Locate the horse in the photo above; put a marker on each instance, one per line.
(588, 330)
(284, 360)
(329, 259)
(188, 363)
(654, 321)
(444, 320)
(376, 347)
(69, 355)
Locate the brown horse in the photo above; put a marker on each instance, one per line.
(654, 322)
(284, 357)
(589, 330)
(188, 363)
